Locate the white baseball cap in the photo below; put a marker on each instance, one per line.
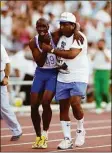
(67, 17)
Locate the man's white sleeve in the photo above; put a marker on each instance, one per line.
(79, 45)
(76, 45)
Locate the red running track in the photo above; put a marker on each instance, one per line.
(98, 134)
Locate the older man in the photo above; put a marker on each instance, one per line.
(72, 81)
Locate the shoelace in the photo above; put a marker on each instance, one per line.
(42, 140)
(66, 138)
(37, 140)
(79, 131)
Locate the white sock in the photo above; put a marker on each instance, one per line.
(45, 133)
(66, 127)
(80, 123)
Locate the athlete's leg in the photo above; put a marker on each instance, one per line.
(47, 112)
(46, 117)
(36, 90)
(35, 99)
(50, 89)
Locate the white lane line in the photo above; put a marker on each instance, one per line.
(55, 140)
(73, 123)
(92, 147)
(51, 132)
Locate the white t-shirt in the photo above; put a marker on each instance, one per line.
(100, 62)
(78, 69)
(4, 58)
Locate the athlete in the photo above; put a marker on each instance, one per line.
(6, 111)
(72, 81)
(44, 83)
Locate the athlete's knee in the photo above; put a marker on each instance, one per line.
(34, 106)
(34, 100)
(46, 106)
(46, 101)
(35, 111)
(33, 103)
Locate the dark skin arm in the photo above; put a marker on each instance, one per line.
(67, 54)
(39, 57)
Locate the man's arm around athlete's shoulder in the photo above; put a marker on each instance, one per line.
(74, 50)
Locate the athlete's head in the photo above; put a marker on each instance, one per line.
(67, 23)
(42, 26)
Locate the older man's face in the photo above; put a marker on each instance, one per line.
(67, 28)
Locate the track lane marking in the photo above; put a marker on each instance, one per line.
(59, 131)
(82, 148)
(72, 123)
(55, 140)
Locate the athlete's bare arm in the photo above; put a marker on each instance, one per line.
(39, 57)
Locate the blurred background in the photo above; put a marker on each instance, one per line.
(18, 19)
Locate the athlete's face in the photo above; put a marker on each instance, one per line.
(42, 27)
(67, 28)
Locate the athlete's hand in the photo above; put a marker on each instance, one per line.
(46, 48)
(5, 81)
